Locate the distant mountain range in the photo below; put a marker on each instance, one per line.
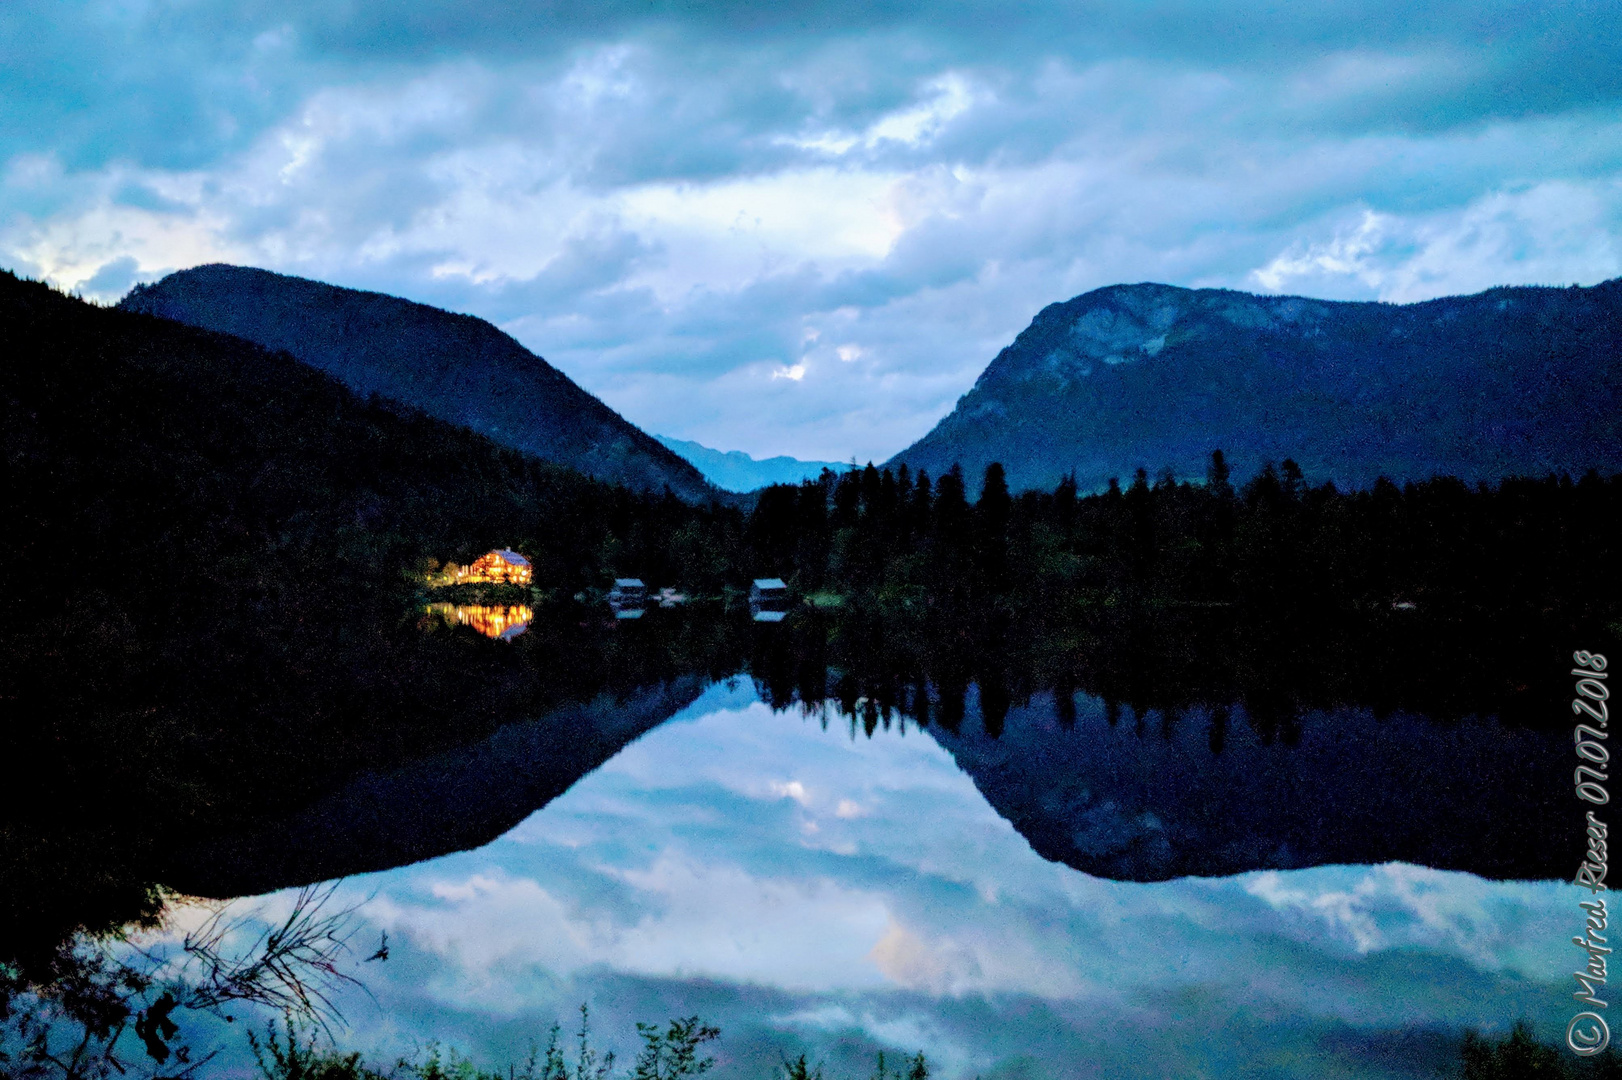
(454, 367)
(1512, 381)
(735, 470)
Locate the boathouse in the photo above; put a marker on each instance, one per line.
(628, 598)
(768, 599)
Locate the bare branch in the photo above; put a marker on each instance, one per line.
(291, 967)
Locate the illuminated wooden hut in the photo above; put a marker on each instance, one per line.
(505, 567)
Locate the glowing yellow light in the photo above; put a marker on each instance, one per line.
(503, 567)
(504, 621)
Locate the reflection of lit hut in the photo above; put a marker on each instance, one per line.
(503, 622)
(505, 567)
(768, 599)
(628, 598)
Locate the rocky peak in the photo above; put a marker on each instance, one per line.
(1157, 376)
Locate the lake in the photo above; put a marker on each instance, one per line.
(1053, 886)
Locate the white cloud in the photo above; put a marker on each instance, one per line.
(1401, 906)
(731, 232)
(1549, 234)
(1345, 253)
(70, 251)
(791, 789)
(946, 97)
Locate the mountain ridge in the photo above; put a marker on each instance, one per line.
(1516, 380)
(736, 471)
(454, 367)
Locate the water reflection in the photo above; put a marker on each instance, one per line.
(1130, 796)
(1216, 791)
(859, 839)
(501, 621)
(452, 801)
(809, 888)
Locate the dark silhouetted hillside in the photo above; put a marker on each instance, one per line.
(209, 577)
(453, 367)
(1512, 381)
(457, 800)
(1114, 802)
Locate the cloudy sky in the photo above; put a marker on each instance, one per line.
(805, 227)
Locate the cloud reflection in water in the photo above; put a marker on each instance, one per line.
(807, 890)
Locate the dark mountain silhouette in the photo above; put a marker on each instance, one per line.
(211, 571)
(1218, 793)
(1512, 381)
(453, 367)
(455, 801)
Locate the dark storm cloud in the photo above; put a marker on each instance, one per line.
(172, 83)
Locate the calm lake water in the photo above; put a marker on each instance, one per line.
(1014, 906)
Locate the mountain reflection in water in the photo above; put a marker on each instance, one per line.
(1137, 798)
(457, 800)
(824, 842)
(812, 888)
(501, 621)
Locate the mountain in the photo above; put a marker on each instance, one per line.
(735, 470)
(1512, 381)
(453, 367)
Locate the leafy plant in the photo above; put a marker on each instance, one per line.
(673, 1052)
(916, 1069)
(291, 1053)
(798, 1070)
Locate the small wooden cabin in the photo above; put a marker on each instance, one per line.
(505, 567)
(769, 590)
(768, 599)
(628, 598)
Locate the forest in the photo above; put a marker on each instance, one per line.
(1276, 544)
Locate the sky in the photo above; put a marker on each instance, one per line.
(805, 227)
(814, 890)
